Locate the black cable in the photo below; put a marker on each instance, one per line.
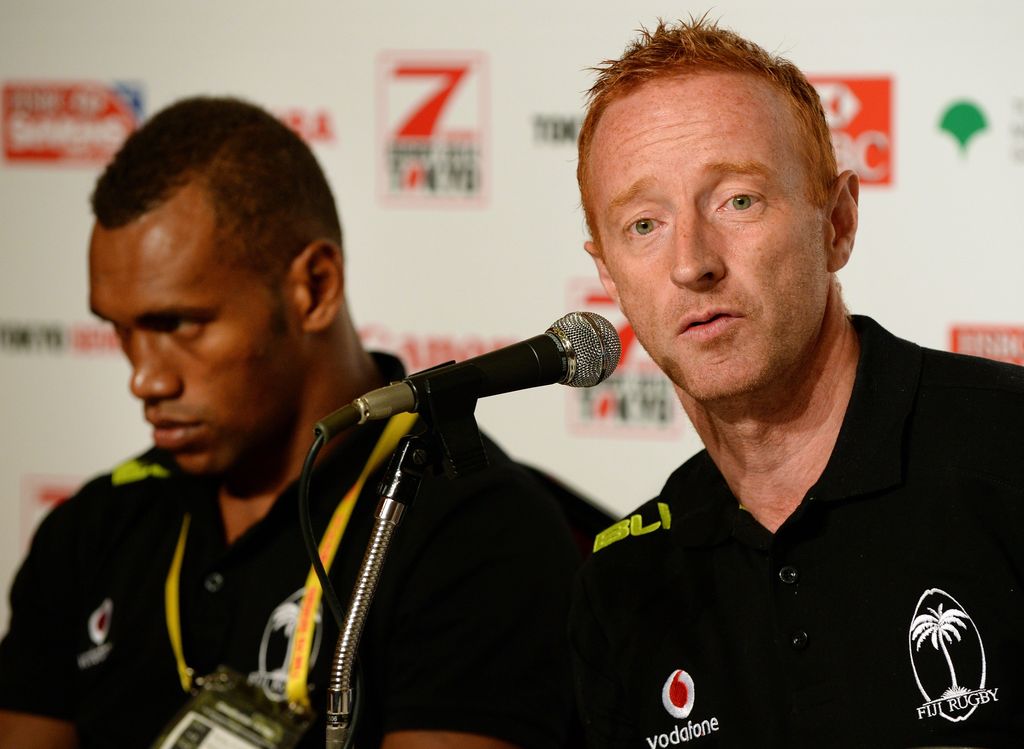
(307, 531)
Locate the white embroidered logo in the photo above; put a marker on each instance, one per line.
(98, 626)
(948, 658)
(677, 694)
(677, 697)
(277, 643)
(99, 622)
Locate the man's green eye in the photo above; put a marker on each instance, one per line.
(742, 202)
(644, 226)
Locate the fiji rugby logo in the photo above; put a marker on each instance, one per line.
(948, 658)
(278, 643)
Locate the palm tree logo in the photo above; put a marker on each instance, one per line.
(940, 621)
(279, 640)
(941, 627)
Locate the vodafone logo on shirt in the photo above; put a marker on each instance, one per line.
(99, 622)
(859, 114)
(677, 694)
(677, 697)
(98, 626)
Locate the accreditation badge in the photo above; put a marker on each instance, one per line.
(226, 712)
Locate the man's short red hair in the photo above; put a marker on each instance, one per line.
(701, 46)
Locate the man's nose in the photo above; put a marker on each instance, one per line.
(697, 263)
(153, 376)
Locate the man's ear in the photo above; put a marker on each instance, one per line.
(842, 226)
(602, 270)
(315, 285)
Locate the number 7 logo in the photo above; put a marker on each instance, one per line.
(433, 128)
(422, 121)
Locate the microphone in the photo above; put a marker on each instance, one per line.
(580, 349)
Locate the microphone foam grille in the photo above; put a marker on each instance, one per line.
(594, 344)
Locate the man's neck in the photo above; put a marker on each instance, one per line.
(772, 448)
(247, 497)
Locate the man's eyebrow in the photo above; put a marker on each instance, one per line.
(630, 193)
(755, 168)
(750, 167)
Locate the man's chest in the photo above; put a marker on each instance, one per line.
(858, 629)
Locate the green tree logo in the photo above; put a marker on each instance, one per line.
(963, 120)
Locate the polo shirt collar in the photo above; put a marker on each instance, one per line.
(867, 456)
(339, 468)
(334, 473)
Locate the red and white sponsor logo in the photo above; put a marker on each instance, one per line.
(39, 495)
(81, 123)
(859, 113)
(421, 351)
(677, 694)
(89, 338)
(78, 339)
(99, 622)
(313, 125)
(638, 399)
(433, 123)
(98, 626)
(999, 342)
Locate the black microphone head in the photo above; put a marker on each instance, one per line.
(591, 346)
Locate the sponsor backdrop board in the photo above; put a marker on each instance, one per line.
(462, 221)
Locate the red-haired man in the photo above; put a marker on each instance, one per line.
(842, 565)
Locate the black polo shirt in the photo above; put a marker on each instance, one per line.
(466, 632)
(887, 611)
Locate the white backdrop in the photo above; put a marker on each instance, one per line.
(493, 254)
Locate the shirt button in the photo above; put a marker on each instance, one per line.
(789, 575)
(213, 582)
(798, 640)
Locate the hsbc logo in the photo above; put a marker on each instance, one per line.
(840, 104)
(859, 114)
(433, 112)
(81, 123)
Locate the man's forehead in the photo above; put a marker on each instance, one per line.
(730, 122)
(720, 90)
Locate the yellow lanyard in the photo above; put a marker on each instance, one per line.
(296, 689)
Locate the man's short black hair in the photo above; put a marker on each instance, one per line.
(270, 196)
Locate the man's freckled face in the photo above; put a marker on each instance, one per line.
(705, 232)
